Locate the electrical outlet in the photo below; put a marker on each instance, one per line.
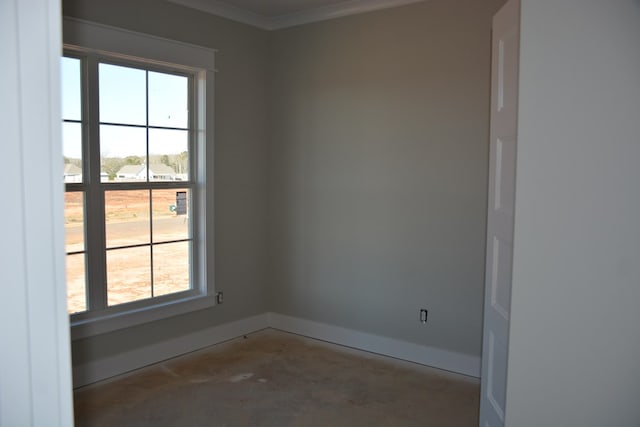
(424, 313)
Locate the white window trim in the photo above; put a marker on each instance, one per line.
(97, 39)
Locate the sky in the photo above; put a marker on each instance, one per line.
(123, 100)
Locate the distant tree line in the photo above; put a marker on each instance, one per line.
(111, 165)
(73, 161)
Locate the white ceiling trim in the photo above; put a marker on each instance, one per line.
(225, 10)
(352, 7)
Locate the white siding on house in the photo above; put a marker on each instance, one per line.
(139, 172)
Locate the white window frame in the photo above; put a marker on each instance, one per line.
(95, 41)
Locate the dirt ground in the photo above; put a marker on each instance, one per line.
(129, 222)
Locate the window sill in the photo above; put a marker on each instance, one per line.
(86, 325)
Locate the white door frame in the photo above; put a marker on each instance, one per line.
(35, 362)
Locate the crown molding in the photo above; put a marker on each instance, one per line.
(352, 7)
(225, 10)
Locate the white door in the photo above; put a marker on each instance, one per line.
(35, 360)
(502, 176)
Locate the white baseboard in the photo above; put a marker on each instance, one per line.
(124, 362)
(451, 361)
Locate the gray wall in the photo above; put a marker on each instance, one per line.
(575, 337)
(378, 171)
(354, 153)
(240, 169)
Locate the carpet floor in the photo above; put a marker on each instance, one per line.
(272, 378)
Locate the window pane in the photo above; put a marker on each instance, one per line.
(126, 217)
(168, 100)
(76, 284)
(71, 89)
(123, 153)
(74, 220)
(122, 95)
(168, 155)
(72, 151)
(170, 215)
(171, 268)
(128, 275)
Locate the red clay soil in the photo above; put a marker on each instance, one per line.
(128, 270)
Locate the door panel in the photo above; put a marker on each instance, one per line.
(501, 277)
(505, 165)
(502, 178)
(497, 378)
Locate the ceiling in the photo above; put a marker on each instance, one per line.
(273, 8)
(275, 14)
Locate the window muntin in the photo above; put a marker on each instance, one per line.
(122, 153)
(156, 224)
(74, 211)
(144, 124)
(122, 94)
(72, 128)
(145, 247)
(127, 218)
(72, 119)
(71, 88)
(168, 103)
(171, 273)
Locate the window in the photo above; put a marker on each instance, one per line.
(134, 139)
